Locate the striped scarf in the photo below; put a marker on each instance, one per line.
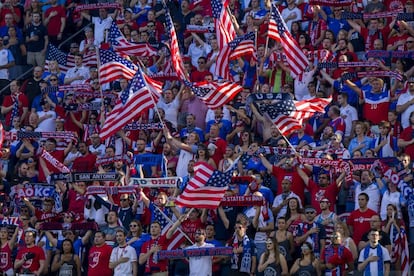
(380, 262)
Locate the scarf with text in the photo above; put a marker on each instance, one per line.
(366, 16)
(142, 126)
(66, 135)
(97, 6)
(351, 64)
(390, 54)
(32, 191)
(111, 190)
(167, 182)
(54, 162)
(110, 160)
(194, 252)
(75, 87)
(246, 255)
(377, 74)
(243, 201)
(85, 177)
(331, 3)
(69, 226)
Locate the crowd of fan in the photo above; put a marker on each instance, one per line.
(297, 230)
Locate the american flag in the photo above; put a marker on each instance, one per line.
(177, 61)
(242, 46)
(113, 67)
(400, 251)
(67, 61)
(278, 31)
(215, 94)
(225, 34)
(178, 237)
(123, 46)
(288, 114)
(143, 94)
(206, 188)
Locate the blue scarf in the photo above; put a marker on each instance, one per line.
(380, 262)
(329, 253)
(246, 256)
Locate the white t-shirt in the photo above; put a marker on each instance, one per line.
(279, 199)
(201, 265)
(124, 269)
(48, 124)
(76, 72)
(5, 58)
(286, 12)
(405, 116)
(170, 109)
(100, 26)
(349, 114)
(373, 266)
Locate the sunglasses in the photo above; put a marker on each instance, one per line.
(133, 225)
(53, 79)
(123, 199)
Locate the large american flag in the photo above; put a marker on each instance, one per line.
(144, 92)
(225, 34)
(114, 67)
(67, 61)
(177, 61)
(278, 31)
(242, 46)
(206, 189)
(288, 115)
(215, 94)
(123, 46)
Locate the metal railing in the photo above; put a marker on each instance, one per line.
(73, 35)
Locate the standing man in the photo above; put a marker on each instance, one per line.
(243, 260)
(36, 41)
(123, 257)
(200, 265)
(374, 259)
(101, 23)
(99, 256)
(78, 74)
(31, 258)
(55, 20)
(16, 105)
(6, 61)
(336, 259)
(405, 103)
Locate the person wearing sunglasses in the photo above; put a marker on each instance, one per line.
(243, 260)
(336, 259)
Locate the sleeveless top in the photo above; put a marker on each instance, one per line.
(305, 270)
(273, 270)
(68, 268)
(284, 249)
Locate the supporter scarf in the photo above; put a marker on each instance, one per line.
(15, 110)
(111, 190)
(32, 191)
(68, 135)
(390, 54)
(351, 64)
(76, 87)
(348, 76)
(141, 126)
(85, 176)
(95, 94)
(148, 159)
(200, 29)
(380, 262)
(194, 252)
(84, 106)
(365, 16)
(241, 179)
(69, 226)
(339, 165)
(290, 151)
(331, 3)
(246, 261)
(97, 6)
(244, 201)
(109, 160)
(10, 221)
(167, 182)
(54, 162)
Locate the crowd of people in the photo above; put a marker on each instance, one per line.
(318, 216)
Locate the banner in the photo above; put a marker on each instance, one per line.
(10, 221)
(85, 177)
(85, 106)
(148, 159)
(33, 191)
(196, 252)
(76, 87)
(167, 182)
(244, 201)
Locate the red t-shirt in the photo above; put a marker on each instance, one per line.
(189, 227)
(55, 23)
(298, 186)
(76, 202)
(360, 223)
(84, 163)
(31, 265)
(8, 101)
(46, 216)
(99, 260)
(220, 150)
(407, 135)
(5, 257)
(318, 193)
(153, 265)
(331, 255)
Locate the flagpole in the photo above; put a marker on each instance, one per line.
(170, 221)
(257, 63)
(284, 137)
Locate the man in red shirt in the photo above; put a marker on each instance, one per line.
(359, 220)
(335, 256)
(150, 249)
(15, 105)
(55, 20)
(45, 167)
(45, 215)
(85, 162)
(30, 259)
(98, 258)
